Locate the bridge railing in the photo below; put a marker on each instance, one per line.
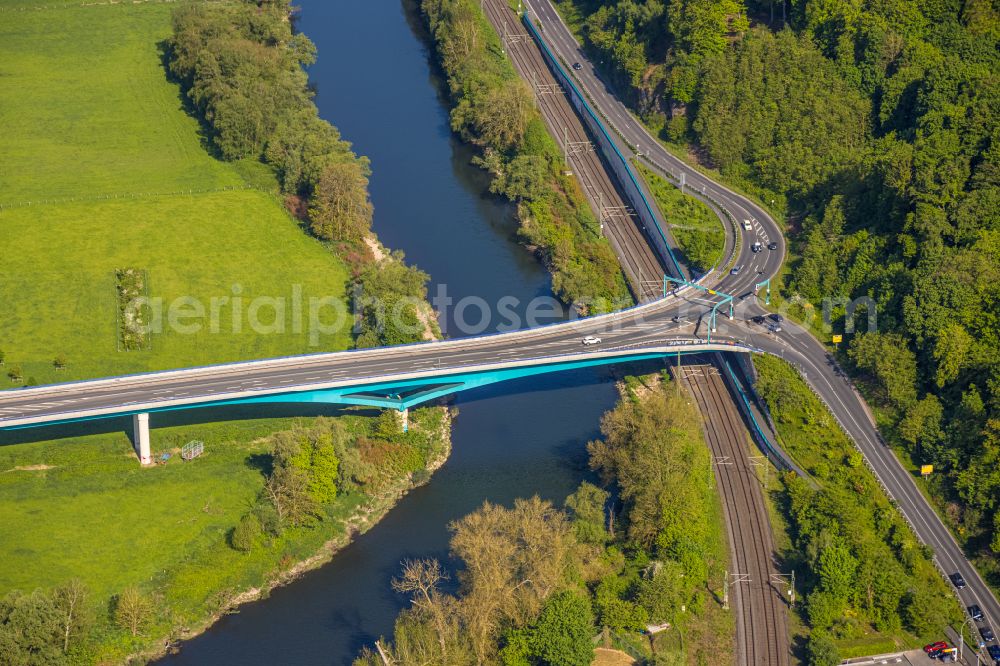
(613, 156)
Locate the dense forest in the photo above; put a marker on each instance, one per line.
(241, 65)
(876, 123)
(494, 110)
(538, 584)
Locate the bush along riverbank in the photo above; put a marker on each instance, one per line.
(545, 585)
(211, 533)
(493, 109)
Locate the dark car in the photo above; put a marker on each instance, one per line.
(975, 612)
(577, 66)
(772, 246)
(957, 580)
(987, 634)
(776, 317)
(994, 651)
(759, 319)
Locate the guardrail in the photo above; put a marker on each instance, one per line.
(617, 162)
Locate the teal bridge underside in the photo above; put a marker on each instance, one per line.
(400, 394)
(409, 393)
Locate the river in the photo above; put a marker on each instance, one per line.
(376, 81)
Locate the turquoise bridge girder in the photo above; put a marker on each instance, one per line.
(397, 394)
(409, 393)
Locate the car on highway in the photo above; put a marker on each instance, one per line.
(776, 317)
(931, 647)
(772, 246)
(987, 634)
(957, 580)
(756, 247)
(994, 652)
(736, 269)
(774, 328)
(747, 225)
(759, 319)
(591, 340)
(577, 66)
(975, 612)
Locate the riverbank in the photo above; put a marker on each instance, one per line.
(493, 109)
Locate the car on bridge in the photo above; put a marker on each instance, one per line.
(591, 340)
(577, 66)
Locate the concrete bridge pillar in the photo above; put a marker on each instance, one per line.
(140, 438)
(404, 418)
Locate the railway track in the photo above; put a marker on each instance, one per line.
(642, 266)
(761, 622)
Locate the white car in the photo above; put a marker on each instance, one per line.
(747, 225)
(591, 340)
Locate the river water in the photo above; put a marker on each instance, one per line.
(376, 81)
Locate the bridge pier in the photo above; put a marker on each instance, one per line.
(140, 438)
(404, 418)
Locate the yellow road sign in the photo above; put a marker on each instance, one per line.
(925, 470)
(837, 339)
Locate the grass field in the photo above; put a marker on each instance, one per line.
(88, 113)
(697, 230)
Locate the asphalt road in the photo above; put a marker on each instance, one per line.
(793, 343)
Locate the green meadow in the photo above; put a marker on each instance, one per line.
(697, 230)
(98, 140)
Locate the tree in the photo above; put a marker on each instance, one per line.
(563, 632)
(513, 560)
(245, 534)
(420, 580)
(586, 510)
(59, 362)
(888, 359)
(16, 374)
(822, 650)
(70, 600)
(340, 209)
(133, 610)
(323, 469)
(3, 357)
(31, 629)
(836, 570)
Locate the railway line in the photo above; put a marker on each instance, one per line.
(761, 622)
(642, 267)
(762, 634)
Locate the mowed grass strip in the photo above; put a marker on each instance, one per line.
(89, 112)
(57, 283)
(696, 228)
